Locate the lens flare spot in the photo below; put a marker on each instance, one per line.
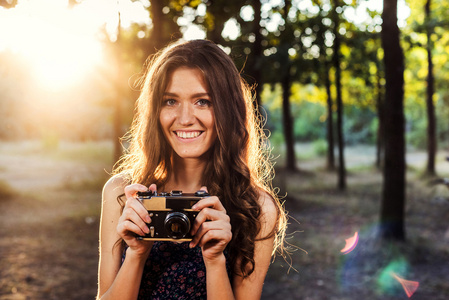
(409, 286)
(351, 243)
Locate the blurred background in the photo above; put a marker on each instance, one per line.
(358, 166)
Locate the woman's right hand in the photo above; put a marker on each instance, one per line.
(134, 219)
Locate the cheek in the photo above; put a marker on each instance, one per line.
(165, 119)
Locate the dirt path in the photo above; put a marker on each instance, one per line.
(49, 228)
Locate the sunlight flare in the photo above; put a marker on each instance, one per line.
(62, 45)
(351, 243)
(58, 43)
(409, 286)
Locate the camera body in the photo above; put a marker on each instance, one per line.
(171, 214)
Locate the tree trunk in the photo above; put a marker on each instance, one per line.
(431, 119)
(393, 194)
(220, 16)
(165, 29)
(330, 120)
(380, 116)
(288, 122)
(118, 151)
(336, 58)
(286, 84)
(157, 17)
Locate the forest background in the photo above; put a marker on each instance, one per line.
(68, 74)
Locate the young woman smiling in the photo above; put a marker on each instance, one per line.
(195, 128)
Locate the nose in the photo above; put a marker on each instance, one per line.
(186, 115)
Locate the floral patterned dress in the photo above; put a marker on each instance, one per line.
(174, 271)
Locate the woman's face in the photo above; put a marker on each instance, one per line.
(187, 114)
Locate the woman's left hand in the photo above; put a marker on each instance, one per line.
(211, 229)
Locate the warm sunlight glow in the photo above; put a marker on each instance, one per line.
(61, 45)
(58, 44)
(351, 243)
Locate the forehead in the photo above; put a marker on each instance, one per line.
(185, 79)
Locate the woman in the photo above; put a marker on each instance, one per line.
(195, 129)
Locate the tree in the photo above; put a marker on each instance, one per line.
(380, 104)
(323, 68)
(165, 29)
(286, 81)
(129, 52)
(282, 68)
(431, 119)
(336, 61)
(255, 58)
(393, 194)
(248, 45)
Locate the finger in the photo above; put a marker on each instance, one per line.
(212, 202)
(128, 227)
(132, 189)
(209, 214)
(221, 237)
(153, 187)
(130, 215)
(219, 225)
(138, 207)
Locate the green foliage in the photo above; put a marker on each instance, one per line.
(301, 43)
(360, 122)
(358, 125)
(416, 132)
(308, 116)
(319, 147)
(416, 124)
(308, 122)
(277, 139)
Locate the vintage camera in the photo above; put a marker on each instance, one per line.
(171, 214)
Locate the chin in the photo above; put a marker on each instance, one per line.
(193, 154)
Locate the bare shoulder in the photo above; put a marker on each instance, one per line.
(112, 191)
(111, 211)
(269, 212)
(114, 187)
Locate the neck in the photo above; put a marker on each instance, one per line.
(187, 175)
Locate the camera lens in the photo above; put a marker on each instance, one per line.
(177, 225)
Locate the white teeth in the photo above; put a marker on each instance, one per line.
(188, 135)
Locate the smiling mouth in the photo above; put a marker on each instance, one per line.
(188, 135)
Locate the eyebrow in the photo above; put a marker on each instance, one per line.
(197, 95)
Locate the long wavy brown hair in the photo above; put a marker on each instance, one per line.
(239, 168)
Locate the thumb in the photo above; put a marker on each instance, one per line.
(204, 188)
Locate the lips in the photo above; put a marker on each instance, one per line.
(188, 134)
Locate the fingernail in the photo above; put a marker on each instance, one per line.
(146, 229)
(148, 219)
(194, 207)
(191, 245)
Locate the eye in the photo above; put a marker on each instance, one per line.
(169, 102)
(204, 102)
